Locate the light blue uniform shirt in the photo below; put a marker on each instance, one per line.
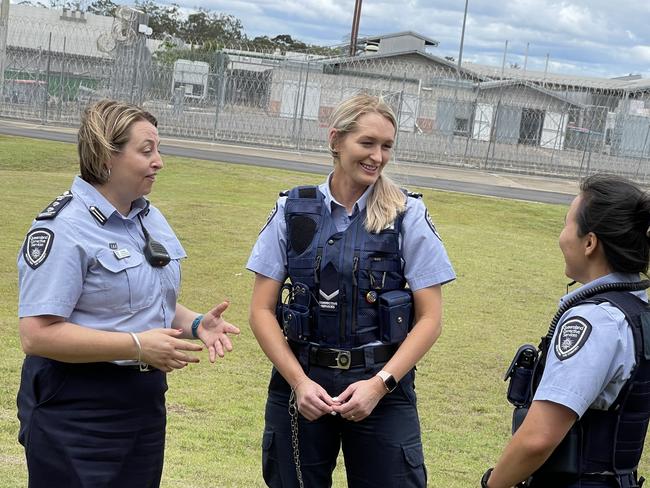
(595, 374)
(424, 256)
(95, 274)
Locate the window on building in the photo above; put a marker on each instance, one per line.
(461, 126)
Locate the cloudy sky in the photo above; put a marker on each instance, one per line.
(583, 37)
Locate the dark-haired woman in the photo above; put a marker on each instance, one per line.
(587, 422)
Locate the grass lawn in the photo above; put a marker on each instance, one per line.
(510, 275)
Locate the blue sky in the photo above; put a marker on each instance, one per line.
(583, 37)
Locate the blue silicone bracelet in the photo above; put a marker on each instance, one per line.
(195, 326)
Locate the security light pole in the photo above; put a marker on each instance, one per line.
(355, 27)
(462, 37)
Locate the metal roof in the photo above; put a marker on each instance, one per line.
(496, 73)
(427, 40)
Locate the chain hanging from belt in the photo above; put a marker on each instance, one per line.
(293, 413)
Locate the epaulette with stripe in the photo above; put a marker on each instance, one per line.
(53, 209)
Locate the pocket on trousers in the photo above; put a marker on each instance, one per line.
(270, 464)
(415, 473)
(267, 440)
(41, 382)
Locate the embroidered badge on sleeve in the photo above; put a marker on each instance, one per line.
(37, 247)
(572, 335)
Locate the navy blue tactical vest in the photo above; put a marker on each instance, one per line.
(611, 441)
(345, 273)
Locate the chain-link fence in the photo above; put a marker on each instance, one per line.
(53, 67)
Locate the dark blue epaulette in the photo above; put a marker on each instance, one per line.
(53, 209)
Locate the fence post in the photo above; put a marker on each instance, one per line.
(61, 70)
(47, 78)
(221, 67)
(643, 151)
(302, 109)
(4, 30)
(295, 107)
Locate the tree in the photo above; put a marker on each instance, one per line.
(164, 20)
(203, 26)
(103, 7)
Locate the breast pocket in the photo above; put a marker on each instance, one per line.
(129, 284)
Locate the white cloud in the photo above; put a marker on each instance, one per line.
(597, 37)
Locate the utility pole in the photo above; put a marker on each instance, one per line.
(4, 31)
(356, 18)
(462, 38)
(526, 56)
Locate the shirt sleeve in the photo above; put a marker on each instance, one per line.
(51, 270)
(576, 372)
(269, 254)
(425, 259)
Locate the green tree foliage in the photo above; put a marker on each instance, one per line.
(103, 7)
(205, 26)
(164, 20)
(205, 32)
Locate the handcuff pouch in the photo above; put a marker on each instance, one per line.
(395, 315)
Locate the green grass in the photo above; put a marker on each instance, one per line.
(510, 275)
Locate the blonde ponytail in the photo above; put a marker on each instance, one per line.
(385, 203)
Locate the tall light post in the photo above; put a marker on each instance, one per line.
(462, 37)
(355, 27)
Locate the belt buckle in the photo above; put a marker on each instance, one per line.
(343, 359)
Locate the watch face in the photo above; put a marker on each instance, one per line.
(390, 383)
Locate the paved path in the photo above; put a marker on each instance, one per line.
(520, 187)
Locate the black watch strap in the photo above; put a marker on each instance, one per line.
(485, 478)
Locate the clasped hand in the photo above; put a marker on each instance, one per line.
(355, 403)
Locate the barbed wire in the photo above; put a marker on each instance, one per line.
(478, 117)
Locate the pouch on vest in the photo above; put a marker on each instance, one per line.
(520, 374)
(565, 460)
(395, 315)
(292, 311)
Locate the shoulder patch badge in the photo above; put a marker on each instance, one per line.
(53, 209)
(272, 213)
(572, 335)
(432, 225)
(38, 244)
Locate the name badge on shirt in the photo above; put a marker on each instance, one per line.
(121, 253)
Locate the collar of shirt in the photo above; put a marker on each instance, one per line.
(331, 202)
(91, 197)
(609, 278)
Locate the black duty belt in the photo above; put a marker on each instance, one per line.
(345, 358)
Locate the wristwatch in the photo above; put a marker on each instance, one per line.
(390, 383)
(485, 478)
